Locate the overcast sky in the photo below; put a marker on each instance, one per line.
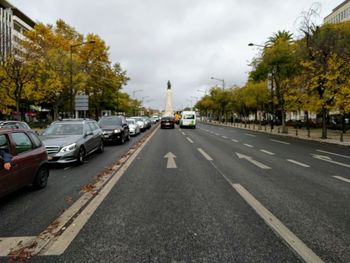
(184, 41)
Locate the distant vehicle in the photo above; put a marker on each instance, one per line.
(133, 126)
(29, 160)
(140, 122)
(115, 129)
(14, 124)
(188, 119)
(72, 140)
(147, 121)
(155, 119)
(167, 122)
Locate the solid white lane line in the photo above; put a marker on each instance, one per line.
(267, 152)
(248, 145)
(287, 143)
(7, 243)
(298, 163)
(278, 227)
(189, 139)
(206, 156)
(342, 179)
(224, 137)
(336, 154)
(251, 135)
(234, 140)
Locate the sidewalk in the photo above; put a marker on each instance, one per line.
(334, 136)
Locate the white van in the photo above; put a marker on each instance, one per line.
(188, 119)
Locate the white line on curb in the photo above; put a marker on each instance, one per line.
(287, 143)
(298, 163)
(206, 156)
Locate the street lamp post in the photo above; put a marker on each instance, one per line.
(223, 82)
(133, 96)
(71, 47)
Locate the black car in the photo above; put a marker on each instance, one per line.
(115, 129)
(167, 122)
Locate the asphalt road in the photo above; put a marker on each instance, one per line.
(196, 210)
(27, 212)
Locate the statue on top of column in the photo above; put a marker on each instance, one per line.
(169, 84)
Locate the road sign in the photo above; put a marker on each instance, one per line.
(81, 102)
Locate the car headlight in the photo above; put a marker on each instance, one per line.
(116, 131)
(69, 148)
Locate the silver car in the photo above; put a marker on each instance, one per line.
(71, 140)
(141, 123)
(134, 128)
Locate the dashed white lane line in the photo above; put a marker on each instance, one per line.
(287, 143)
(251, 135)
(342, 178)
(189, 139)
(267, 152)
(336, 154)
(225, 137)
(248, 145)
(217, 134)
(206, 156)
(234, 140)
(183, 133)
(298, 163)
(278, 227)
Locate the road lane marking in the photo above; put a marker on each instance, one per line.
(234, 140)
(217, 134)
(267, 152)
(298, 163)
(287, 143)
(329, 159)
(278, 227)
(7, 243)
(224, 137)
(171, 160)
(251, 135)
(250, 159)
(342, 179)
(248, 145)
(183, 133)
(206, 156)
(336, 154)
(189, 139)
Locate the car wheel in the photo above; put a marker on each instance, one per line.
(81, 155)
(122, 139)
(128, 138)
(41, 178)
(101, 147)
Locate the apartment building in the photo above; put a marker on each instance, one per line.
(13, 24)
(339, 14)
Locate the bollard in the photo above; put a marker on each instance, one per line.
(342, 136)
(296, 132)
(308, 133)
(278, 130)
(265, 127)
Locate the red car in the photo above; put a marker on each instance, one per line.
(29, 164)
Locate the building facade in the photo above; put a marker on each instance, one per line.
(339, 14)
(13, 25)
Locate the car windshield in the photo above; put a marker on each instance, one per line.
(110, 121)
(65, 129)
(130, 121)
(188, 116)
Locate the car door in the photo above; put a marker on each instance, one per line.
(25, 161)
(96, 135)
(89, 138)
(125, 127)
(7, 181)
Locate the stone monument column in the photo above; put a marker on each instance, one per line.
(169, 101)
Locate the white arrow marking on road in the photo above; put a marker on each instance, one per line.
(171, 160)
(329, 159)
(250, 159)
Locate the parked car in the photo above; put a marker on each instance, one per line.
(154, 119)
(133, 126)
(115, 129)
(14, 124)
(167, 122)
(147, 121)
(29, 164)
(140, 122)
(72, 140)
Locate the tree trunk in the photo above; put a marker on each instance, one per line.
(55, 111)
(324, 123)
